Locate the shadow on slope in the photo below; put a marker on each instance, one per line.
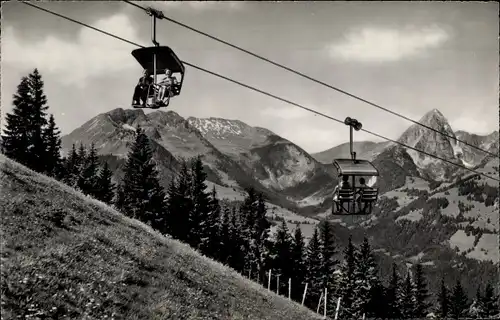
(67, 255)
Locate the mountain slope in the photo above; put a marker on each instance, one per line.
(77, 258)
(274, 161)
(364, 150)
(172, 138)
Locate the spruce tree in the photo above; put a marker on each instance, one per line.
(298, 264)
(213, 225)
(490, 302)
(347, 284)
(38, 121)
(70, 167)
(407, 298)
(313, 274)
(421, 293)
(458, 303)
(179, 204)
(89, 175)
(443, 300)
(225, 236)
(393, 296)
(282, 265)
(366, 278)
(53, 161)
(105, 186)
(16, 140)
(237, 255)
(143, 197)
(328, 251)
(198, 236)
(260, 235)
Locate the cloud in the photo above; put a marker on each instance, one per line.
(194, 5)
(471, 124)
(387, 45)
(92, 54)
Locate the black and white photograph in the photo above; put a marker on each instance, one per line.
(264, 160)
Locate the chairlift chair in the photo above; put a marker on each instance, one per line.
(158, 60)
(347, 201)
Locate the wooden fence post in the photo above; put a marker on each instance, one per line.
(269, 281)
(304, 294)
(289, 288)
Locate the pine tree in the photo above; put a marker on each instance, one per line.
(23, 138)
(225, 236)
(283, 255)
(377, 304)
(198, 236)
(89, 175)
(143, 197)
(213, 225)
(407, 298)
(38, 121)
(366, 278)
(237, 255)
(443, 300)
(458, 305)
(476, 309)
(392, 296)
(105, 186)
(53, 160)
(313, 274)
(179, 204)
(347, 283)
(16, 141)
(260, 235)
(490, 302)
(421, 293)
(328, 262)
(298, 264)
(70, 165)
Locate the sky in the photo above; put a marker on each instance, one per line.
(409, 57)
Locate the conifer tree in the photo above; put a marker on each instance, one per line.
(421, 293)
(298, 263)
(198, 236)
(143, 197)
(179, 204)
(213, 225)
(23, 138)
(490, 302)
(16, 140)
(70, 167)
(225, 236)
(407, 298)
(458, 303)
(237, 255)
(392, 296)
(283, 255)
(53, 160)
(366, 278)
(347, 283)
(443, 300)
(105, 186)
(89, 175)
(377, 304)
(328, 251)
(260, 235)
(313, 274)
(38, 121)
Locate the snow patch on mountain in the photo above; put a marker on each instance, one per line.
(413, 216)
(128, 127)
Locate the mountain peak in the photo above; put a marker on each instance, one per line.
(435, 119)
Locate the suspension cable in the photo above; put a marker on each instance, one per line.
(313, 79)
(263, 92)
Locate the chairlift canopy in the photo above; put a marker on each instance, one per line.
(165, 59)
(349, 167)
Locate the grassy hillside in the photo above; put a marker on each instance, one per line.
(67, 256)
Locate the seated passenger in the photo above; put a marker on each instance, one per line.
(141, 89)
(343, 184)
(362, 185)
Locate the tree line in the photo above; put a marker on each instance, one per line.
(237, 235)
